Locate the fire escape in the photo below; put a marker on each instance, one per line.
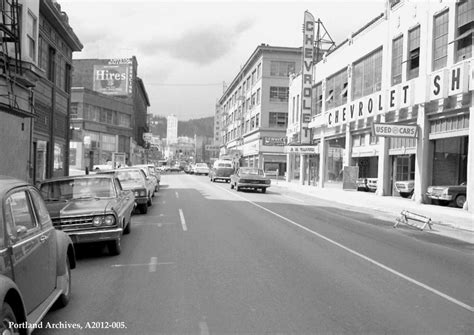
(11, 71)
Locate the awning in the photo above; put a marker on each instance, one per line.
(462, 36)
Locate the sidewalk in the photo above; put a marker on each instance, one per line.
(446, 221)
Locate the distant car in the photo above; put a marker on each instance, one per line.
(92, 208)
(201, 168)
(151, 173)
(372, 184)
(36, 258)
(366, 184)
(405, 187)
(447, 194)
(249, 178)
(134, 179)
(221, 170)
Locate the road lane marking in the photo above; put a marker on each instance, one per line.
(368, 259)
(177, 195)
(152, 264)
(141, 264)
(183, 221)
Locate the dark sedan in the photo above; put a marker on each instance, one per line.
(91, 208)
(448, 193)
(249, 178)
(36, 258)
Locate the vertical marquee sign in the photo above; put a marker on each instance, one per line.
(307, 68)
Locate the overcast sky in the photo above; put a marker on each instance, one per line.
(187, 49)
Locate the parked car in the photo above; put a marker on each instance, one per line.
(447, 194)
(249, 178)
(134, 179)
(201, 168)
(151, 173)
(221, 170)
(366, 184)
(405, 187)
(93, 208)
(36, 258)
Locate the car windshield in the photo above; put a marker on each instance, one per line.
(77, 189)
(251, 171)
(204, 165)
(224, 165)
(130, 177)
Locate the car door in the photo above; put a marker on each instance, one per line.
(123, 199)
(30, 254)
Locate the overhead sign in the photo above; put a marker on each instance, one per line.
(274, 141)
(303, 149)
(114, 78)
(147, 137)
(394, 130)
(308, 57)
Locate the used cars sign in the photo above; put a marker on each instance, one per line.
(394, 130)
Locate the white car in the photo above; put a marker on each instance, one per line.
(201, 168)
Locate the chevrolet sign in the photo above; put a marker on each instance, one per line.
(394, 130)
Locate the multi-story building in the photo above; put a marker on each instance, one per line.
(171, 129)
(111, 87)
(407, 77)
(101, 127)
(56, 43)
(16, 93)
(254, 108)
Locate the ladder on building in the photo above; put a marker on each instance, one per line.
(10, 50)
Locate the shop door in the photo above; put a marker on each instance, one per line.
(403, 170)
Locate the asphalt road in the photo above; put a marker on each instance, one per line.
(210, 260)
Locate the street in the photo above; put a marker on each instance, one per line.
(210, 260)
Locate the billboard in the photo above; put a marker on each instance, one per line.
(114, 78)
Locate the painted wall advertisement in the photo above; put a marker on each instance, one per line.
(115, 78)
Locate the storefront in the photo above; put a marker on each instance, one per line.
(402, 158)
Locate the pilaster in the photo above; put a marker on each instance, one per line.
(422, 166)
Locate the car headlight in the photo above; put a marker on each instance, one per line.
(109, 220)
(97, 221)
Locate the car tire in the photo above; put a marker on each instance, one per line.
(460, 200)
(8, 319)
(143, 208)
(115, 247)
(237, 188)
(149, 203)
(231, 186)
(64, 298)
(128, 228)
(264, 190)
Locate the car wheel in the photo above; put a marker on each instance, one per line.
(8, 320)
(149, 202)
(237, 188)
(128, 227)
(143, 208)
(264, 189)
(231, 186)
(460, 200)
(115, 247)
(404, 195)
(64, 298)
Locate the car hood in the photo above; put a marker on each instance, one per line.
(79, 207)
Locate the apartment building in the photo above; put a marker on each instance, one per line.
(254, 108)
(395, 99)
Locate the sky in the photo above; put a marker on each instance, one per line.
(187, 50)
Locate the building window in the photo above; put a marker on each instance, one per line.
(257, 120)
(51, 70)
(465, 29)
(336, 90)
(258, 96)
(254, 99)
(277, 120)
(73, 112)
(440, 40)
(413, 62)
(31, 32)
(367, 75)
(293, 111)
(317, 97)
(279, 94)
(67, 78)
(397, 55)
(259, 70)
(281, 68)
(254, 77)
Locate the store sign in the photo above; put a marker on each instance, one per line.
(394, 130)
(307, 73)
(451, 81)
(274, 141)
(115, 78)
(147, 137)
(303, 149)
(212, 147)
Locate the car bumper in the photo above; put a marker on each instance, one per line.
(440, 197)
(251, 185)
(78, 237)
(141, 201)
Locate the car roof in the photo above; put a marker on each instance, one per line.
(87, 176)
(7, 183)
